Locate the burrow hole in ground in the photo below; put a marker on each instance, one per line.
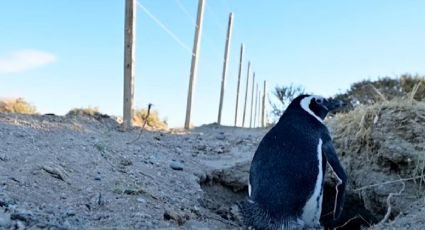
(220, 198)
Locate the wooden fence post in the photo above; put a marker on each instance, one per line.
(256, 105)
(225, 64)
(263, 109)
(259, 108)
(239, 84)
(246, 93)
(252, 99)
(194, 64)
(129, 62)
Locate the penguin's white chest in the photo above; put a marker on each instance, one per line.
(313, 207)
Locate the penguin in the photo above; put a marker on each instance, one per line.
(286, 177)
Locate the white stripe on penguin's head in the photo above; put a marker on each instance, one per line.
(305, 104)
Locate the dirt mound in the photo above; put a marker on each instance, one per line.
(382, 149)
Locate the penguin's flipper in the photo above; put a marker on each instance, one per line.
(336, 167)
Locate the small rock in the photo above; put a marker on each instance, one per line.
(176, 165)
(22, 214)
(4, 203)
(202, 147)
(220, 137)
(3, 158)
(100, 200)
(172, 215)
(219, 150)
(141, 200)
(63, 196)
(70, 213)
(125, 162)
(5, 220)
(55, 171)
(196, 210)
(19, 134)
(97, 178)
(20, 225)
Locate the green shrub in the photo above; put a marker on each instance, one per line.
(18, 105)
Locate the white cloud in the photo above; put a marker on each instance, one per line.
(23, 60)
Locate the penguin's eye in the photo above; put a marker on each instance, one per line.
(319, 101)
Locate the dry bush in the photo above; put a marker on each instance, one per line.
(18, 105)
(89, 111)
(368, 92)
(382, 147)
(153, 121)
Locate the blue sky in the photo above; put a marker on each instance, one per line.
(62, 54)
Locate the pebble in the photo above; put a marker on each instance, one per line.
(4, 158)
(202, 147)
(221, 137)
(70, 212)
(172, 215)
(22, 214)
(176, 165)
(20, 225)
(126, 162)
(141, 200)
(219, 150)
(5, 220)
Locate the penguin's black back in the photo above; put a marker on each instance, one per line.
(285, 166)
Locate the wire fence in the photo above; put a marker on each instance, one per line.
(215, 59)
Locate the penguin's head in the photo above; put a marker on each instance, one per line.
(317, 106)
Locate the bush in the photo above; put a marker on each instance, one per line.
(153, 120)
(284, 96)
(89, 111)
(365, 92)
(369, 92)
(18, 105)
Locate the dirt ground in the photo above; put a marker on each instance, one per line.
(82, 172)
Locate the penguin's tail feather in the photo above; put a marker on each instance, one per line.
(253, 216)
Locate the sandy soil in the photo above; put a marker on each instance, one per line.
(84, 173)
(81, 172)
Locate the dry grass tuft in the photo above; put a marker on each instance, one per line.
(380, 146)
(141, 118)
(89, 111)
(18, 105)
(355, 129)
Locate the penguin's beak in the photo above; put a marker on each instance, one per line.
(333, 104)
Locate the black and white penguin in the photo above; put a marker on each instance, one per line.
(287, 172)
